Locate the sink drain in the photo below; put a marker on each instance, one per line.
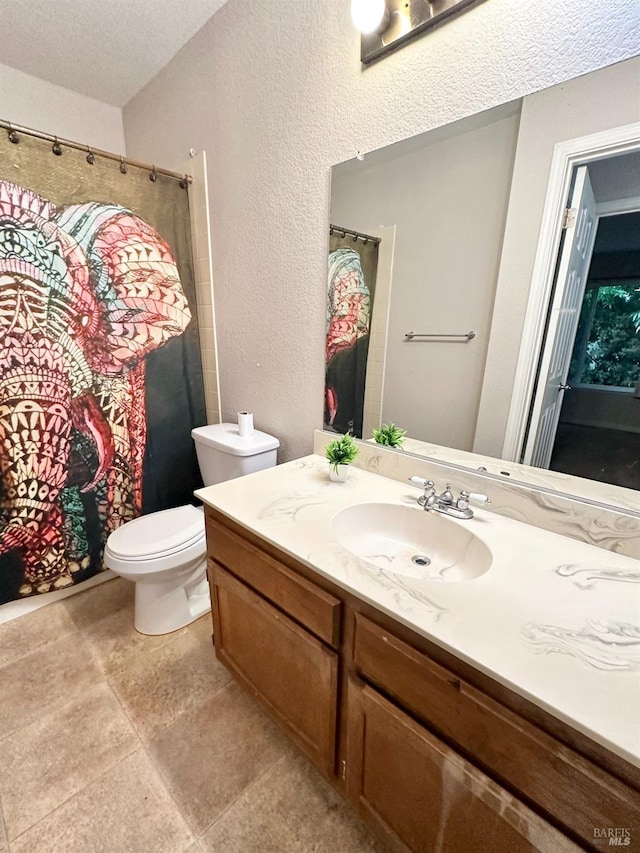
(420, 560)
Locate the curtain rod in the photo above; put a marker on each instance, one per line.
(355, 234)
(15, 129)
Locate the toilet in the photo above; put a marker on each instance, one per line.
(164, 553)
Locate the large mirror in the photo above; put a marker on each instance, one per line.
(444, 333)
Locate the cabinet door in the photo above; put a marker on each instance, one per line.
(423, 796)
(290, 671)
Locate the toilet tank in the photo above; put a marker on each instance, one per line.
(224, 454)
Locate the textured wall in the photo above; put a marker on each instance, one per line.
(106, 51)
(44, 106)
(274, 91)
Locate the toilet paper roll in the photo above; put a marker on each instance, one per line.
(245, 423)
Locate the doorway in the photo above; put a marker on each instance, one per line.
(585, 415)
(598, 433)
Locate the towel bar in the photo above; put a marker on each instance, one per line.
(465, 338)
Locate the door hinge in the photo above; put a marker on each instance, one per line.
(343, 769)
(569, 218)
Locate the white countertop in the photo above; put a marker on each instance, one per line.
(555, 620)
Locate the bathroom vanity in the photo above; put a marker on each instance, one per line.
(498, 710)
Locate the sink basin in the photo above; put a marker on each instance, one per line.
(408, 541)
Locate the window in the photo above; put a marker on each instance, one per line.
(607, 346)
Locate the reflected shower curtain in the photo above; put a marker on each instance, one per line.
(100, 374)
(350, 292)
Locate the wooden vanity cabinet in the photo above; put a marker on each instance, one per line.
(431, 753)
(276, 657)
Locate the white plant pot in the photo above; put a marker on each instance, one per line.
(339, 476)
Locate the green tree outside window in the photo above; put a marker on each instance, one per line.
(607, 348)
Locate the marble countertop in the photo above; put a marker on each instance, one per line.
(555, 620)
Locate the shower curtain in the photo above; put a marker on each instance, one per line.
(351, 281)
(100, 373)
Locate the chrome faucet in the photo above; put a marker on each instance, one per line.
(446, 503)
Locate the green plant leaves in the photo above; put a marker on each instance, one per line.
(341, 451)
(390, 435)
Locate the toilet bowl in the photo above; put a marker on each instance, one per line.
(164, 553)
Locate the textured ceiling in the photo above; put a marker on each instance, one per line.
(106, 50)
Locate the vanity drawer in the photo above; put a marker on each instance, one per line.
(308, 604)
(579, 795)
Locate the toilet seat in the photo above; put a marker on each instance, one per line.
(159, 541)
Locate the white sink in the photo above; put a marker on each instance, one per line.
(408, 541)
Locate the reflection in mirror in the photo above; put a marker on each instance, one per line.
(588, 415)
(447, 200)
(351, 290)
(459, 211)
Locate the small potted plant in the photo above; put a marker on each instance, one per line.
(390, 435)
(341, 452)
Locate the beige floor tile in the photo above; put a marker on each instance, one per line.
(90, 606)
(44, 680)
(209, 756)
(4, 844)
(104, 614)
(24, 635)
(156, 685)
(44, 764)
(202, 629)
(126, 810)
(290, 809)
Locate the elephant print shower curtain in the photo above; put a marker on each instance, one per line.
(350, 292)
(100, 376)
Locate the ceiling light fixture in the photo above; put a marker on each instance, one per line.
(369, 16)
(386, 25)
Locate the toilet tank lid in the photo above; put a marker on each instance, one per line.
(225, 437)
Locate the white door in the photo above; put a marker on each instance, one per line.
(575, 258)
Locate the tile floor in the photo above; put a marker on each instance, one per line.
(111, 741)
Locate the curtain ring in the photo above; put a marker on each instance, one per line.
(184, 183)
(56, 147)
(91, 157)
(344, 234)
(153, 175)
(123, 166)
(12, 135)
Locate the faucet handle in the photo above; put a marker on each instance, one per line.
(420, 482)
(426, 499)
(477, 498)
(463, 500)
(467, 498)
